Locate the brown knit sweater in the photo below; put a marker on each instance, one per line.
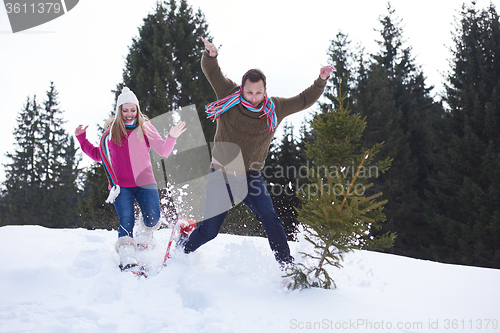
(244, 129)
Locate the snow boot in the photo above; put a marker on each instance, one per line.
(186, 228)
(287, 264)
(144, 235)
(126, 247)
(181, 230)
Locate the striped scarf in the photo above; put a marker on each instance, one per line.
(106, 161)
(215, 109)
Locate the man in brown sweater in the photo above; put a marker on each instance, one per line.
(246, 120)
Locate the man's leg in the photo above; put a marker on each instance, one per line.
(259, 202)
(217, 204)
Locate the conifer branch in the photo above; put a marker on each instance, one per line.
(330, 236)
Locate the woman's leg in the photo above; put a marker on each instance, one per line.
(149, 202)
(125, 245)
(124, 205)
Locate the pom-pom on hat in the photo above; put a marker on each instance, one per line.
(127, 96)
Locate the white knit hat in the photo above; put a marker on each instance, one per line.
(127, 96)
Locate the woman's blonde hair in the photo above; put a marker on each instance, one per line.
(119, 126)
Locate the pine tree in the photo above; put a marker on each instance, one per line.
(465, 194)
(392, 95)
(336, 214)
(56, 165)
(343, 58)
(163, 66)
(22, 183)
(40, 187)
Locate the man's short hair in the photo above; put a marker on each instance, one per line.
(254, 75)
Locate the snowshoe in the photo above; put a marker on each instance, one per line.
(134, 269)
(126, 248)
(180, 233)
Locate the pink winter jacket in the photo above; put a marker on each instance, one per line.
(131, 162)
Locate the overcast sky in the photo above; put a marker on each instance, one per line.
(84, 51)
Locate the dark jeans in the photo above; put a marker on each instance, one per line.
(149, 202)
(257, 199)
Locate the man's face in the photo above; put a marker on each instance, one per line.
(253, 92)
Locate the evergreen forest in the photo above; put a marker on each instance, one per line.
(437, 162)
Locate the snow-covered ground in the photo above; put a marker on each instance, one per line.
(68, 281)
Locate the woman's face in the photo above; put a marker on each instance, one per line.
(129, 112)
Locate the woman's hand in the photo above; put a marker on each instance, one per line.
(177, 130)
(212, 50)
(80, 130)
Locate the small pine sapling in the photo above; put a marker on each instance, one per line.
(340, 210)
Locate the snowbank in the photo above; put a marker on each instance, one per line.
(68, 281)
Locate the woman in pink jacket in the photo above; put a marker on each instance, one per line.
(124, 150)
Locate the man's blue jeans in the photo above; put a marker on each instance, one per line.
(149, 201)
(257, 200)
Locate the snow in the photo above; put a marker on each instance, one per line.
(67, 280)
